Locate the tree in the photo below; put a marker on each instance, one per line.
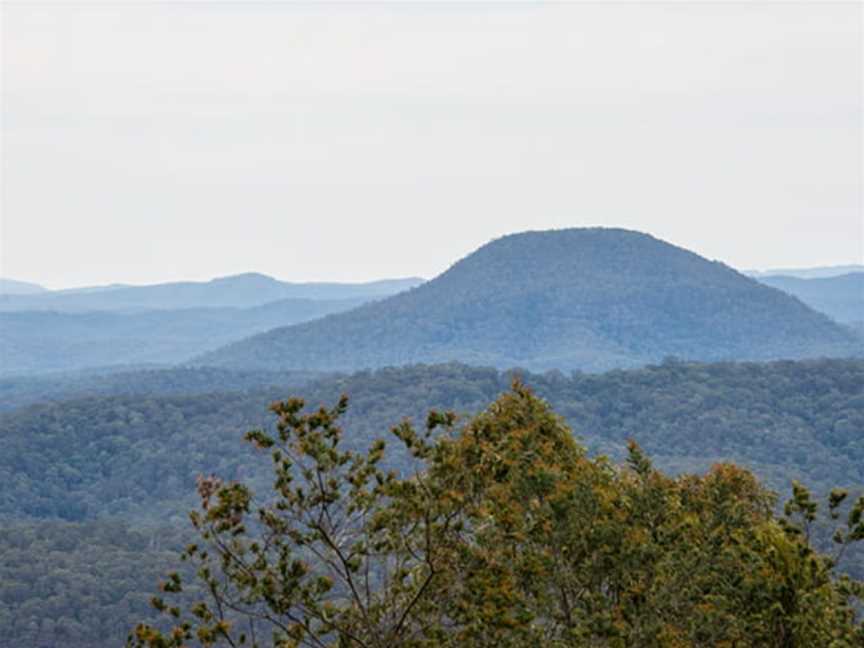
(505, 534)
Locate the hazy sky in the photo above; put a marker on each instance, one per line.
(153, 141)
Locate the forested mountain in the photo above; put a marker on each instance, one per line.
(99, 466)
(589, 299)
(840, 297)
(39, 341)
(239, 291)
(14, 287)
(139, 454)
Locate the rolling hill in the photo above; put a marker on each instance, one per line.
(239, 291)
(21, 391)
(590, 299)
(40, 341)
(840, 297)
(139, 452)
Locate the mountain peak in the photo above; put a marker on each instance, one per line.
(592, 298)
(246, 279)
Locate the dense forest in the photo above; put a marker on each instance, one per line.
(134, 456)
(138, 453)
(590, 299)
(507, 535)
(19, 391)
(80, 585)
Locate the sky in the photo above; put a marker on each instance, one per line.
(157, 141)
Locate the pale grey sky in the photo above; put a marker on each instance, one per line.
(151, 141)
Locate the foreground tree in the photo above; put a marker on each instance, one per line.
(506, 534)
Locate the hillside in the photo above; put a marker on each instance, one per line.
(239, 291)
(40, 341)
(20, 391)
(840, 297)
(80, 585)
(76, 472)
(591, 299)
(139, 453)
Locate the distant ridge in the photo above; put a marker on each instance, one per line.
(238, 291)
(841, 297)
(590, 299)
(43, 341)
(15, 287)
(820, 272)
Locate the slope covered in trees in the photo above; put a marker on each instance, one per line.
(69, 467)
(589, 299)
(80, 585)
(507, 535)
(139, 454)
(20, 391)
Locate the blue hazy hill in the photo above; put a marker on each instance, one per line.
(590, 299)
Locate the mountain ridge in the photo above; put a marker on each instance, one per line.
(841, 297)
(592, 299)
(33, 342)
(776, 417)
(243, 291)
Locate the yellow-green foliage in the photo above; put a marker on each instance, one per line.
(506, 535)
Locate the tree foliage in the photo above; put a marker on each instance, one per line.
(506, 533)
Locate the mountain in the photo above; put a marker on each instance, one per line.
(239, 291)
(590, 299)
(39, 341)
(820, 272)
(840, 297)
(13, 287)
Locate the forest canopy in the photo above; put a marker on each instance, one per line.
(506, 533)
(136, 454)
(128, 447)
